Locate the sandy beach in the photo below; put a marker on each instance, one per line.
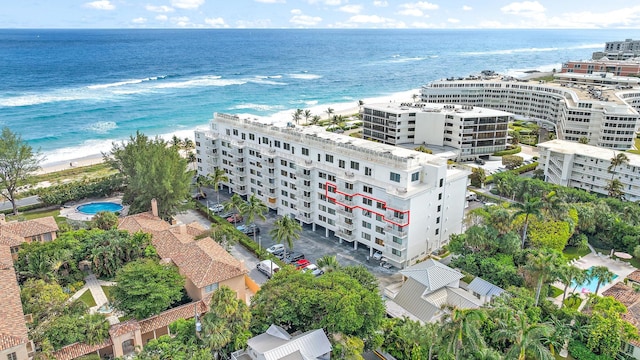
(344, 109)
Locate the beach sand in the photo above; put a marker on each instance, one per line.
(344, 109)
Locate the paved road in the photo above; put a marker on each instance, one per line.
(31, 200)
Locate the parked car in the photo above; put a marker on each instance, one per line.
(313, 268)
(479, 161)
(200, 196)
(377, 255)
(226, 214)
(301, 264)
(249, 229)
(275, 248)
(280, 254)
(235, 218)
(268, 267)
(293, 256)
(216, 208)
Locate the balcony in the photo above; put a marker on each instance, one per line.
(393, 230)
(346, 225)
(348, 214)
(390, 244)
(350, 237)
(391, 256)
(400, 218)
(302, 175)
(304, 217)
(343, 200)
(302, 185)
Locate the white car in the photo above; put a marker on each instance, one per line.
(216, 208)
(313, 268)
(377, 255)
(275, 248)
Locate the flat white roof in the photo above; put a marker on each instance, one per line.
(570, 147)
(459, 110)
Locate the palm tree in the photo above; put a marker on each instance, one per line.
(215, 333)
(297, 115)
(617, 160)
(285, 230)
(218, 176)
(253, 208)
(581, 278)
(531, 207)
(553, 205)
(235, 203)
(329, 111)
(223, 235)
(176, 142)
(542, 265)
(526, 339)
(487, 354)
(462, 331)
(336, 120)
(567, 274)
(603, 274)
(414, 97)
(188, 144)
(328, 263)
(307, 116)
(614, 189)
(315, 119)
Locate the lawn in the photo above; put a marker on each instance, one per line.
(107, 292)
(572, 252)
(636, 142)
(87, 298)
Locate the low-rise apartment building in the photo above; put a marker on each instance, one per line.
(616, 67)
(619, 50)
(587, 167)
(603, 110)
(401, 202)
(472, 131)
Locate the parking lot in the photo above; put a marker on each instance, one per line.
(313, 244)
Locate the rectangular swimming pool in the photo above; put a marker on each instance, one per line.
(589, 285)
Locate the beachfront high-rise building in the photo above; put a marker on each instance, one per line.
(599, 109)
(471, 131)
(588, 167)
(401, 202)
(619, 50)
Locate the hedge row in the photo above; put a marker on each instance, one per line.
(521, 170)
(515, 150)
(580, 352)
(77, 190)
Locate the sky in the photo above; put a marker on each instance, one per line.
(438, 14)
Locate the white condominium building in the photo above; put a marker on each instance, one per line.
(587, 167)
(603, 114)
(401, 202)
(471, 130)
(619, 50)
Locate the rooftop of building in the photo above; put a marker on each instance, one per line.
(13, 330)
(464, 111)
(29, 228)
(570, 147)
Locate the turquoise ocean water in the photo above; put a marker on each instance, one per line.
(72, 92)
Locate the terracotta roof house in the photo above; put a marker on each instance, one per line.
(630, 298)
(277, 344)
(428, 288)
(15, 233)
(634, 277)
(14, 340)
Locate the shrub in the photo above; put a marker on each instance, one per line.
(580, 352)
(513, 151)
(77, 190)
(512, 161)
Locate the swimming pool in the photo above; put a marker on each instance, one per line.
(95, 207)
(589, 286)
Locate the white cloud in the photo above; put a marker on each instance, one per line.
(416, 9)
(325, 2)
(352, 9)
(100, 5)
(467, 8)
(187, 4)
(423, 25)
(254, 24)
(139, 20)
(162, 17)
(160, 9)
(300, 19)
(216, 22)
(181, 21)
(369, 19)
(453, 21)
(525, 8)
(624, 18)
(411, 12)
(271, 1)
(380, 3)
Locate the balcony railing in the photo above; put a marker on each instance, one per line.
(346, 236)
(393, 230)
(346, 225)
(346, 213)
(302, 175)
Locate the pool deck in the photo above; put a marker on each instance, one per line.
(616, 266)
(70, 211)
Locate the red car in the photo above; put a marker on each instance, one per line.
(301, 264)
(235, 218)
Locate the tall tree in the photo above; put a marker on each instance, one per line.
(603, 274)
(307, 115)
(615, 189)
(251, 209)
(566, 274)
(285, 231)
(530, 207)
(315, 119)
(462, 334)
(218, 176)
(328, 263)
(329, 112)
(526, 339)
(235, 203)
(18, 162)
(152, 170)
(225, 328)
(617, 160)
(542, 266)
(297, 115)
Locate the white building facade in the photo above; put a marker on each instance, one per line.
(472, 131)
(603, 114)
(587, 167)
(401, 202)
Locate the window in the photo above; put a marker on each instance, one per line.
(328, 158)
(380, 205)
(437, 231)
(355, 165)
(366, 236)
(439, 208)
(367, 189)
(415, 176)
(395, 177)
(438, 220)
(341, 164)
(348, 186)
(211, 288)
(440, 196)
(366, 225)
(287, 146)
(252, 136)
(331, 211)
(379, 229)
(378, 217)
(305, 151)
(441, 182)
(396, 252)
(367, 171)
(235, 132)
(367, 201)
(276, 143)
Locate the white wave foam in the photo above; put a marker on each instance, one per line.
(259, 107)
(200, 81)
(527, 50)
(102, 127)
(304, 76)
(311, 102)
(266, 82)
(404, 60)
(125, 82)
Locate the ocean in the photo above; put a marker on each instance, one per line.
(71, 93)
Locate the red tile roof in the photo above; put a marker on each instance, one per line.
(10, 239)
(145, 222)
(165, 318)
(13, 330)
(29, 228)
(76, 350)
(630, 298)
(634, 276)
(124, 328)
